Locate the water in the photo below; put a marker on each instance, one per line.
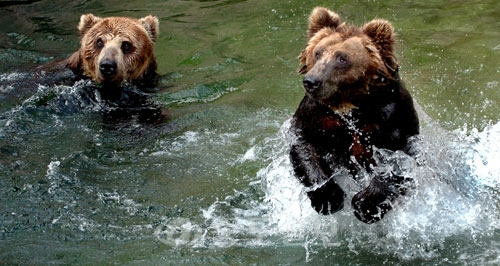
(208, 181)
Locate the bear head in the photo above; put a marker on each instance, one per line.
(116, 49)
(342, 62)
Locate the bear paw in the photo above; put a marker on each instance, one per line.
(328, 198)
(371, 204)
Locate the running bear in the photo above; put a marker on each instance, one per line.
(354, 101)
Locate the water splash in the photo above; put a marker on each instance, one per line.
(454, 198)
(451, 213)
(485, 155)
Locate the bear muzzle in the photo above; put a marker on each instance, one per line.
(311, 84)
(317, 88)
(108, 68)
(110, 65)
(317, 82)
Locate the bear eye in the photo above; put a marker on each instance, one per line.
(99, 43)
(127, 47)
(342, 59)
(317, 55)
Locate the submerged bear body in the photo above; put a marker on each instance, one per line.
(113, 51)
(354, 101)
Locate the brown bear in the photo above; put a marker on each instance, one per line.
(116, 49)
(354, 101)
(113, 50)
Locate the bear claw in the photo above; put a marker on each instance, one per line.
(372, 203)
(328, 198)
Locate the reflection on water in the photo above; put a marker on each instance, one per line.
(197, 172)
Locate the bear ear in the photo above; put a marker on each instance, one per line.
(86, 22)
(151, 24)
(74, 63)
(322, 18)
(382, 34)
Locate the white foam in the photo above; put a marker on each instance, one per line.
(484, 158)
(454, 198)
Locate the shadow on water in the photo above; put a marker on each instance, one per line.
(196, 172)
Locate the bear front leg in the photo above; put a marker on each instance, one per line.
(314, 172)
(327, 199)
(371, 204)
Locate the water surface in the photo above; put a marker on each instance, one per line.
(211, 184)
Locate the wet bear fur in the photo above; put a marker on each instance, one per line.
(354, 101)
(116, 49)
(113, 51)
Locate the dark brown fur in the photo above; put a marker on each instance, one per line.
(354, 101)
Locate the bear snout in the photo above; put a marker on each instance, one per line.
(108, 68)
(311, 84)
(317, 88)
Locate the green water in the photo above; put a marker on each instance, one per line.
(211, 185)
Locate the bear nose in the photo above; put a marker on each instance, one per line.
(107, 67)
(311, 84)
